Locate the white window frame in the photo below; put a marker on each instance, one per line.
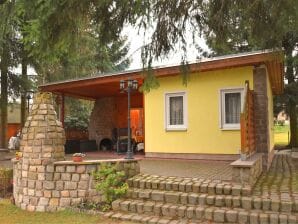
(222, 115)
(182, 127)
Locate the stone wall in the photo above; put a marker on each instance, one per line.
(102, 119)
(65, 184)
(43, 181)
(248, 171)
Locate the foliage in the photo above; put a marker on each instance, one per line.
(78, 114)
(6, 173)
(110, 183)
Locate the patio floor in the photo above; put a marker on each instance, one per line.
(218, 170)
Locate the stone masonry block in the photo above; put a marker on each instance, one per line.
(211, 188)
(219, 189)
(210, 200)
(70, 169)
(232, 216)
(264, 218)
(199, 211)
(273, 218)
(266, 203)
(181, 211)
(209, 214)
(246, 203)
(275, 205)
(157, 195)
(257, 202)
(172, 197)
(243, 217)
(286, 206)
(283, 218)
(184, 198)
(219, 215)
(204, 188)
(196, 187)
(219, 201)
(148, 206)
(202, 199)
(190, 212)
(193, 199)
(236, 190)
(236, 201)
(145, 194)
(254, 218)
(227, 189)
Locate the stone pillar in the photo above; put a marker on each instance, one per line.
(261, 115)
(42, 143)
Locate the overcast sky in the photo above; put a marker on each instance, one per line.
(136, 41)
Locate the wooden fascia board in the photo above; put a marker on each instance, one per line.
(249, 60)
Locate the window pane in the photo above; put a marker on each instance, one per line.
(232, 108)
(176, 110)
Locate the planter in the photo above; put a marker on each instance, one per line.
(77, 159)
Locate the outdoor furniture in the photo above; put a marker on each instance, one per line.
(122, 137)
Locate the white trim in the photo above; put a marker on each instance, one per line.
(222, 93)
(169, 127)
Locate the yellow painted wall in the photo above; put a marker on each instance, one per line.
(270, 114)
(203, 134)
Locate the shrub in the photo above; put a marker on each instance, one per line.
(111, 183)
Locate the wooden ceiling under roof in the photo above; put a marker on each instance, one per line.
(108, 85)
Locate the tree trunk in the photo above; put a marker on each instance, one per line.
(4, 96)
(23, 95)
(292, 102)
(293, 123)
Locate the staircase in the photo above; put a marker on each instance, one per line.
(158, 199)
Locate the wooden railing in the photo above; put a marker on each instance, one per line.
(247, 123)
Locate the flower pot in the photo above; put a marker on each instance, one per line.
(18, 157)
(77, 159)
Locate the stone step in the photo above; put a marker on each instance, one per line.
(195, 185)
(201, 213)
(149, 219)
(205, 199)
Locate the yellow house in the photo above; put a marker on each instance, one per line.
(226, 108)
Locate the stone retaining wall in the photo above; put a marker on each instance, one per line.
(248, 171)
(63, 184)
(43, 181)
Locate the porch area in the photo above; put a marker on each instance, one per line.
(204, 169)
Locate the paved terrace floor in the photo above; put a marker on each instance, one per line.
(218, 170)
(281, 181)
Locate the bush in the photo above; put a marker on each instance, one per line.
(111, 183)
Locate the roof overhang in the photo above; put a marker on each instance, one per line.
(108, 84)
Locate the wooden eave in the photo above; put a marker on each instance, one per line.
(108, 85)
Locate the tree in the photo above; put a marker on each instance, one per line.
(6, 40)
(235, 26)
(229, 26)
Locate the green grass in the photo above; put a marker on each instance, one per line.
(10, 214)
(281, 134)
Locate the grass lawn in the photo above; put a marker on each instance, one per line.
(10, 214)
(281, 134)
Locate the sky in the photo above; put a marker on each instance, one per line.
(137, 40)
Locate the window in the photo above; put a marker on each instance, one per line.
(230, 108)
(175, 111)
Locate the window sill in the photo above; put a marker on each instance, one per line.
(176, 129)
(230, 129)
